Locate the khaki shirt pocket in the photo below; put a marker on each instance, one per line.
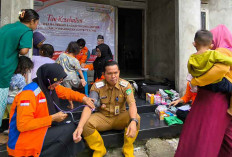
(104, 101)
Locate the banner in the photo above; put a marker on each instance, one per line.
(65, 21)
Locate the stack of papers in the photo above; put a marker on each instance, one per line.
(185, 107)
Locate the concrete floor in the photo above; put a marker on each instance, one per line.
(3, 138)
(151, 148)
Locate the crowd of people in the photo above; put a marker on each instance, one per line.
(34, 109)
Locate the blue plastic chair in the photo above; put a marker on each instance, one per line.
(88, 56)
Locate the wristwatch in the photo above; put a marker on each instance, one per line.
(134, 119)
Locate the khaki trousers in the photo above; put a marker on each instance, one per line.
(100, 122)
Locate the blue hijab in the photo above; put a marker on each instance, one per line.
(37, 38)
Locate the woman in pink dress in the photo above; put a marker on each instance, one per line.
(207, 131)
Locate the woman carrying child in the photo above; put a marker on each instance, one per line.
(208, 128)
(72, 67)
(204, 59)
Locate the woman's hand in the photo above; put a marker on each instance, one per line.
(83, 82)
(174, 103)
(59, 117)
(77, 134)
(89, 102)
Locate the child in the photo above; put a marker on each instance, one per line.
(46, 53)
(18, 81)
(201, 61)
(71, 66)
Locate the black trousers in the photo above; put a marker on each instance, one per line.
(182, 115)
(58, 142)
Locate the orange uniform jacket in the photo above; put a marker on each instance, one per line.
(90, 67)
(189, 95)
(82, 56)
(30, 119)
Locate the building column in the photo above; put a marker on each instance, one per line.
(11, 8)
(188, 21)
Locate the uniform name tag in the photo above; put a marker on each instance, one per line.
(100, 84)
(25, 103)
(116, 110)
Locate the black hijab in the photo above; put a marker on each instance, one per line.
(53, 72)
(99, 62)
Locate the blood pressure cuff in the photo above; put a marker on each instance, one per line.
(94, 95)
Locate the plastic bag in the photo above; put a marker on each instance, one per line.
(172, 120)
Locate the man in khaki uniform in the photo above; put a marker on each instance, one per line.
(113, 92)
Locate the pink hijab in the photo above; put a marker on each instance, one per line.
(222, 37)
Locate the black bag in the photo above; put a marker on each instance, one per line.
(148, 86)
(182, 114)
(151, 89)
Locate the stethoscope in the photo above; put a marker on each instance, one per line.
(70, 111)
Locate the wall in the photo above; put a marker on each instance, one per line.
(161, 39)
(11, 8)
(220, 12)
(171, 26)
(119, 3)
(187, 23)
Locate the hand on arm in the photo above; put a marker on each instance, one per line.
(89, 102)
(217, 72)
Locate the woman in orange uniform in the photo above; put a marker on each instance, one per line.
(83, 54)
(37, 127)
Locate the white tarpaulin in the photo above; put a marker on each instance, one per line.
(65, 21)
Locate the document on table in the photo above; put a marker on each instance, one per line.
(185, 107)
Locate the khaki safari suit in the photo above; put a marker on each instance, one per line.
(113, 116)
